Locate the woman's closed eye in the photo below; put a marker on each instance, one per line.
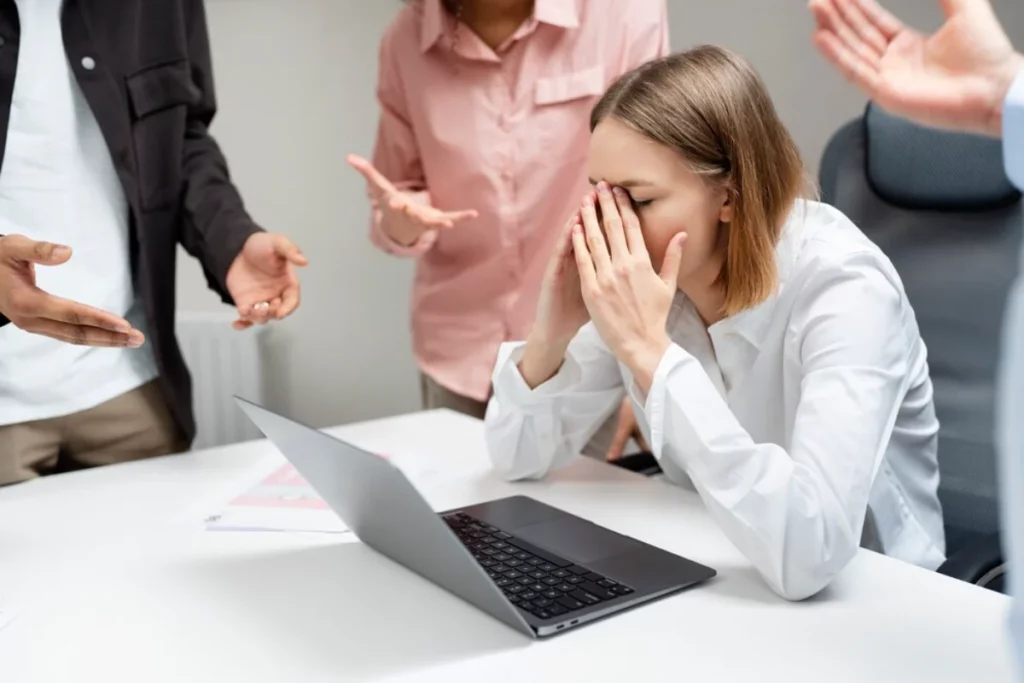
(640, 203)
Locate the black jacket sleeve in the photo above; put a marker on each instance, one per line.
(215, 222)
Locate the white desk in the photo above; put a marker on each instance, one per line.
(116, 580)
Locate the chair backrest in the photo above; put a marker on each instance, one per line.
(940, 206)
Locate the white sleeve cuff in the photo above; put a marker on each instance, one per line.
(511, 388)
(655, 401)
(1013, 132)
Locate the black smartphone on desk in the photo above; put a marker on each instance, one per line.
(642, 463)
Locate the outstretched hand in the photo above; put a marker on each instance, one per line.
(262, 279)
(957, 78)
(404, 219)
(33, 310)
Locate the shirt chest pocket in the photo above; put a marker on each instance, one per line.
(160, 97)
(562, 107)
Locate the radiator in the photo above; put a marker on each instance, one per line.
(223, 362)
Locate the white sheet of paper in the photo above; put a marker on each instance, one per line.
(6, 617)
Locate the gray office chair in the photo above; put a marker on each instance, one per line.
(940, 206)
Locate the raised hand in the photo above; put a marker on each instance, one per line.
(404, 220)
(956, 78)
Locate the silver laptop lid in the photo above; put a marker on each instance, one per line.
(381, 506)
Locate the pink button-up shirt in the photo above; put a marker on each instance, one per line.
(504, 132)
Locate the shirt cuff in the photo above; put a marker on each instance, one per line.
(655, 401)
(422, 244)
(1013, 132)
(511, 388)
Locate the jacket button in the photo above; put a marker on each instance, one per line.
(88, 63)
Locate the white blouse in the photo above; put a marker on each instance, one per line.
(793, 420)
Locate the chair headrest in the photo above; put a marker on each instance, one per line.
(921, 168)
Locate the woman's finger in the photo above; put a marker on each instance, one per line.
(427, 217)
(598, 249)
(638, 436)
(673, 260)
(459, 216)
(380, 187)
(612, 222)
(623, 431)
(634, 235)
(584, 263)
(563, 245)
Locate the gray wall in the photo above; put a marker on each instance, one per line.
(295, 81)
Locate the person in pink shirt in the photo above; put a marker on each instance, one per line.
(481, 155)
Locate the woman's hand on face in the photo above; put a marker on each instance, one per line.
(628, 301)
(560, 312)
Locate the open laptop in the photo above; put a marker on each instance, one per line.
(536, 568)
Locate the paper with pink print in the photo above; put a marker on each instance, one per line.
(281, 501)
(284, 501)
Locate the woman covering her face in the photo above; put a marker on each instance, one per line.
(482, 138)
(766, 344)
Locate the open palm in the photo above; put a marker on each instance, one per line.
(405, 219)
(955, 78)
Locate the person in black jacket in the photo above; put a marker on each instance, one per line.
(107, 165)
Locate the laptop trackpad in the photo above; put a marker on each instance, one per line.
(577, 539)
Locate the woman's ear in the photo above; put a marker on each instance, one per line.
(726, 213)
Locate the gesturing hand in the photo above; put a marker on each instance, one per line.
(33, 310)
(628, 301)
(404, 220)
(262, 279)
(956, 78)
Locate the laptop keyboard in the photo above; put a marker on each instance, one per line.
(533, 579)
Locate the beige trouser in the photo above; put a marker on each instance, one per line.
(132, 426)
(436, 396)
